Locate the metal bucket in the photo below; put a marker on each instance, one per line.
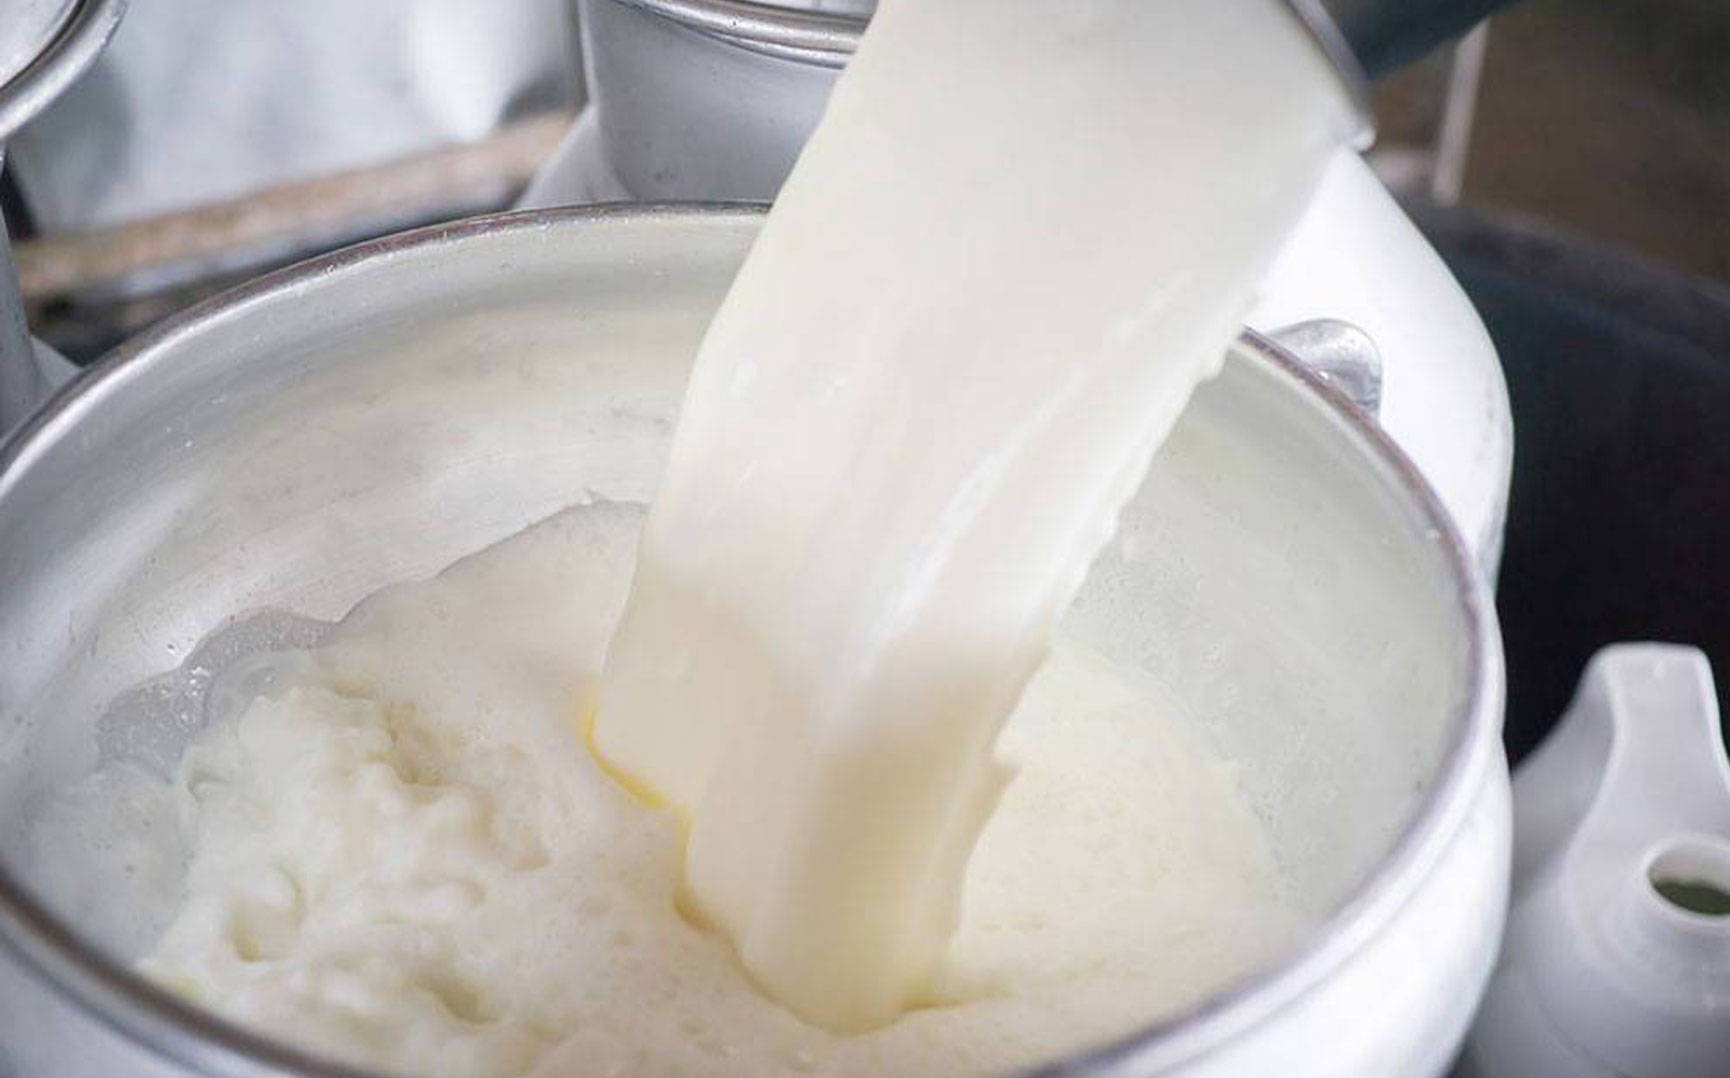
(701, 100)
(375, 414)
(712, 99)
(44, 46)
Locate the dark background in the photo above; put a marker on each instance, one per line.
(1592, 230)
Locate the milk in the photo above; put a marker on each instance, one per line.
(402, 856)
(1021, 235)
(790, 779)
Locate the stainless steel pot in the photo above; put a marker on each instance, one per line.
(375, 414)
(709, 105)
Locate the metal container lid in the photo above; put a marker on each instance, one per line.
(44, 46)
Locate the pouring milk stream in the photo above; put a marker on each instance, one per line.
(1022, 234)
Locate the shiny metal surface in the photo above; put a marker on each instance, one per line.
(1361, 37)
(44, 46)
(20, 385)
(29, 369)
(307, 438)
(81, 29)
(827, 32)
(708, 99)
(680, 113)
(1342, 354)
(26, 28)
(804, 31)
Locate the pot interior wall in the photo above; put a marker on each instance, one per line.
(374, 422)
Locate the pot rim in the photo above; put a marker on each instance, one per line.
(823, 36)
(830, 38)
(76, 44)
(187, 1035)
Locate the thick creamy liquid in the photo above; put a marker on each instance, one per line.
(403, 856)
(1022, 234)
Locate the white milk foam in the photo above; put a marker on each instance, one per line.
(1021, 235)
(402, 855)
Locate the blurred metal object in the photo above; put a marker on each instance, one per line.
(706, 99)
(812, 31)
(204, 101)
(26, 28)
(291, 220)
(21, 384)
(44, 46)
(576, 174)
(684, 111)
(1363, 38)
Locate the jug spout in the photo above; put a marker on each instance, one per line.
(1617, 957)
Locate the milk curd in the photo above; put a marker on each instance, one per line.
(403, 855)
(828, 801)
